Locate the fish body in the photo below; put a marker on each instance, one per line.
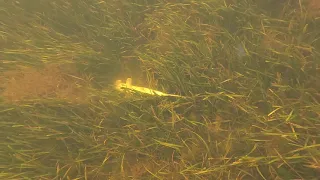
(128, 85)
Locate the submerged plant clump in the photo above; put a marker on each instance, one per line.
(248, 72)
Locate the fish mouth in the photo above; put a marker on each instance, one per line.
(118, 85)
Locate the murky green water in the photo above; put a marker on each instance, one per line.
(248, 72)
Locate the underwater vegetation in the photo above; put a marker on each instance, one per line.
(209, 89)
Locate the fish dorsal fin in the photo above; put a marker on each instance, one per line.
(129, 83)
